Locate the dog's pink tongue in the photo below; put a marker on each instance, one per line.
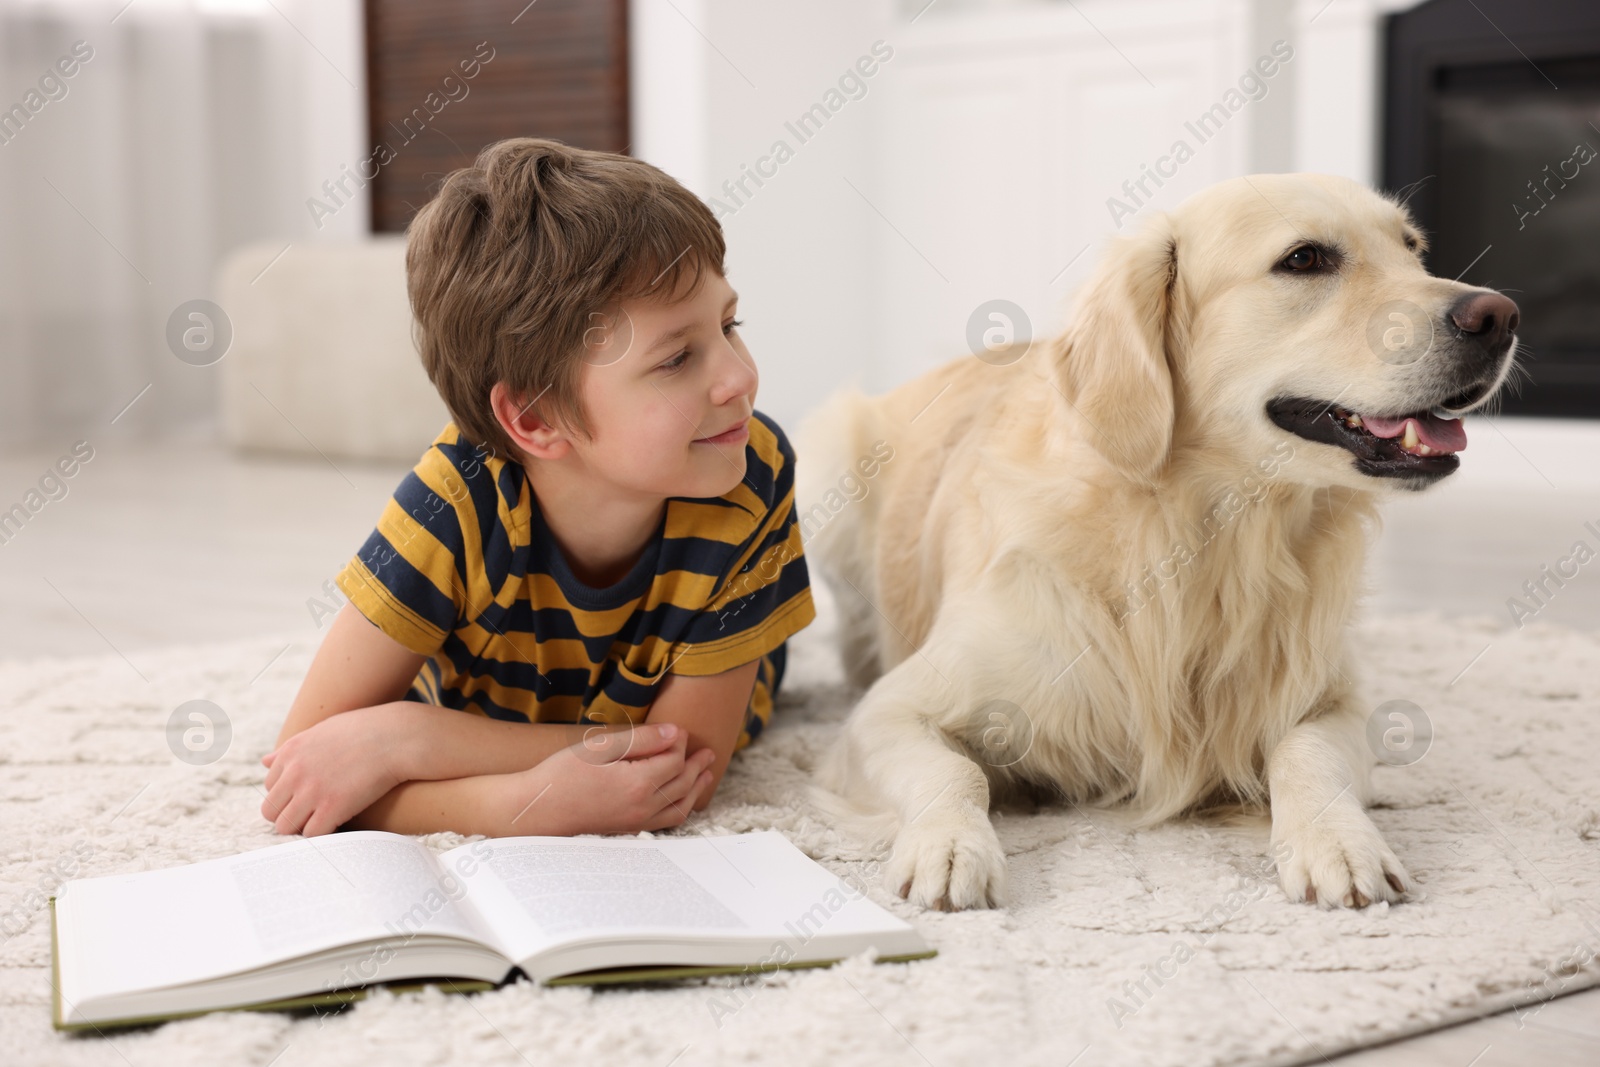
(1441, 435)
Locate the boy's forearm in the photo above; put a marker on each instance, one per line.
(444, 743)
(472, 805)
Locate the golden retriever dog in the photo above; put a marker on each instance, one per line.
(1118, 568)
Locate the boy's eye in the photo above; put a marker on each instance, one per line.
(677, 361)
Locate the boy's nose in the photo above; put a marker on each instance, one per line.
(739, 379)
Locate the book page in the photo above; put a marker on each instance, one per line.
(578, 886)
(542, 891)
(186, 924)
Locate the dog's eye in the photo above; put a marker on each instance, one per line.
(1305, 258)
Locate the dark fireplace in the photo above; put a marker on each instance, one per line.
(1492, 128)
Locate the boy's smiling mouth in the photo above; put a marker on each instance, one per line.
(727, 437)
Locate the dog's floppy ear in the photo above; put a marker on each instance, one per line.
(1113, 357)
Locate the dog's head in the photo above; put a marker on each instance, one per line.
(1284, 307)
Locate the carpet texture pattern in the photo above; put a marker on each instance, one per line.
(1173, 946)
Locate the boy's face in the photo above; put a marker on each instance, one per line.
(661, 378)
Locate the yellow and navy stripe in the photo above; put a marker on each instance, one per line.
(462, 568)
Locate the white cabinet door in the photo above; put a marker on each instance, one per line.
(1007, 132)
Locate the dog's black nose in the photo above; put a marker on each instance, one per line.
(1490, 318)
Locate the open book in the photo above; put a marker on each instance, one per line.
(313, 921)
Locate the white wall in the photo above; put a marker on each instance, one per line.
(1338, 112)
(980, 160)
(710, 100)
(333, 112)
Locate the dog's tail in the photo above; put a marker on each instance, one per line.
(873, 832)
(835, 504)
(839, 448)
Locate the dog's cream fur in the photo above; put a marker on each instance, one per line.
(983, 575)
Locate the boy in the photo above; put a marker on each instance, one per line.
(574, 609)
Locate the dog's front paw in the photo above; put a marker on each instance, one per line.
(948, 860)
(1339, 860)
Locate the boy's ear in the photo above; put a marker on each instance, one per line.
(527, 428)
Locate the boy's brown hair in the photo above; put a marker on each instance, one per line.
(523, 257)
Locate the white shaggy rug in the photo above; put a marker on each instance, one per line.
(1499, 822)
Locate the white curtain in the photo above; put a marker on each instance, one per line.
(184, 129)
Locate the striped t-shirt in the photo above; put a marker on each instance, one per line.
(462, 568)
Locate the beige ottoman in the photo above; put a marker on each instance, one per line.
(322, 358)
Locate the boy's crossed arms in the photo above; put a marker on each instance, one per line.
(352, 754)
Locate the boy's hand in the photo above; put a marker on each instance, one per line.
(618, 781)
(328, 773)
